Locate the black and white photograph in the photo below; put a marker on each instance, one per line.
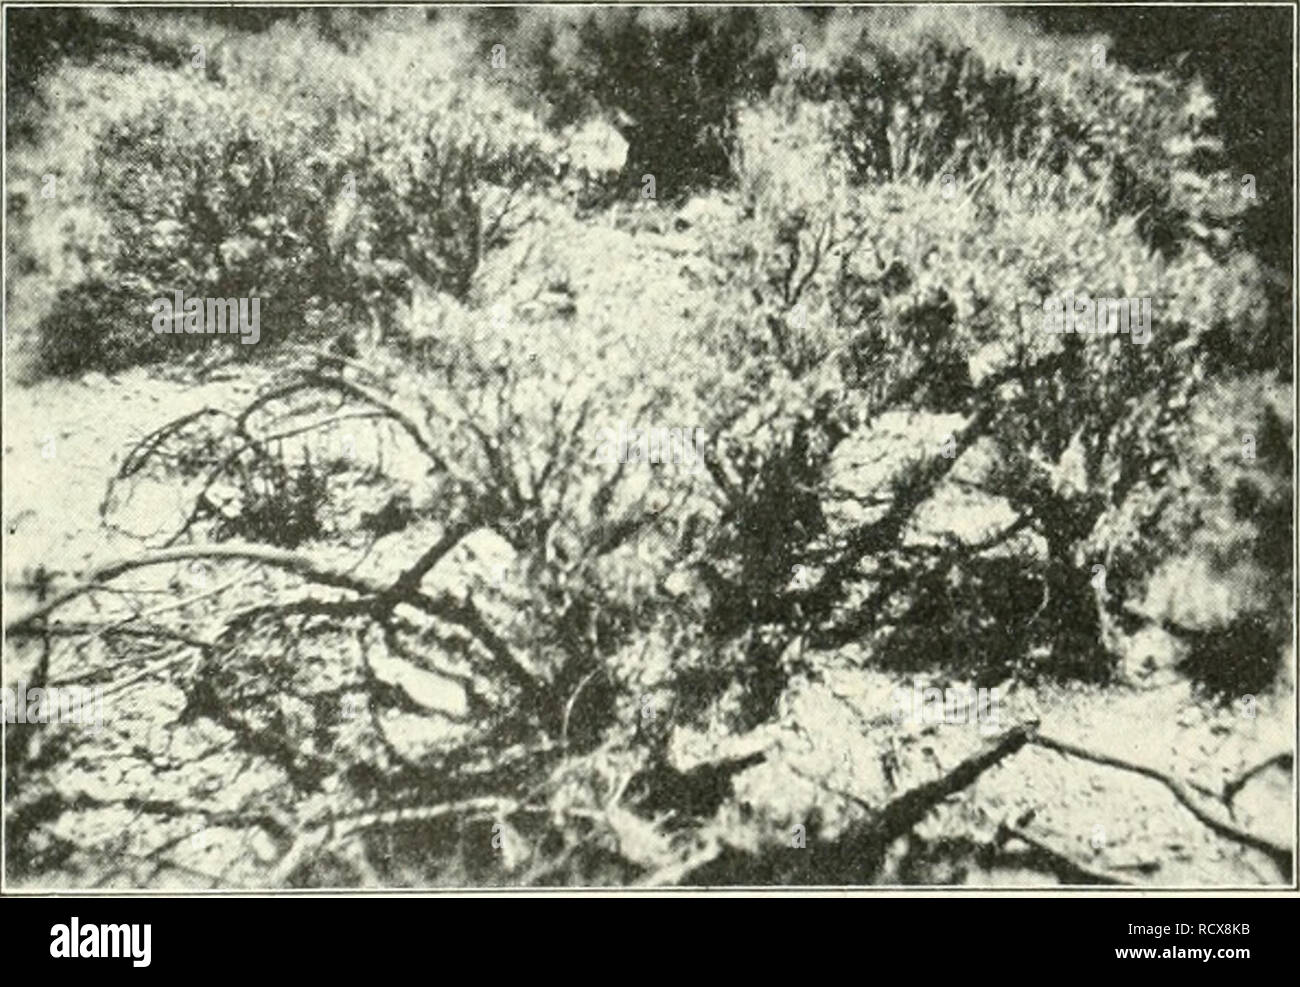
(626, 448)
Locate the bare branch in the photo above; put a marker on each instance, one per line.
(384, 597)
(1202, 808)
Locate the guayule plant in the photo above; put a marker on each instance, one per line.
(671, 77)
(924, 95)
(440, 171)
(286, 173)
(852, 301)
(212, 192)
(412, 682)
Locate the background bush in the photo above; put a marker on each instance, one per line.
(268, 166)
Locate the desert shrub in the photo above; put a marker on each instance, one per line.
(926, 94)
(213, 194)
(1185, 44)
(1209, 532)
(850, 301)
(547, 563)
(278, 170)
(441, 167)
(58, 237)
(205, 190)
(39, 43)
(98, 325)
(673, 78)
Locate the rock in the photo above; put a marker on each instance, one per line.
(595, 149)
(680, 583)
(701, 211)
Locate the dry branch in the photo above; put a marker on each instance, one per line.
(1282, 759)
(899, 816)
(1201, 807)
(384, 596)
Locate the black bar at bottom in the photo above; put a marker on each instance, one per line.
(340, 935)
